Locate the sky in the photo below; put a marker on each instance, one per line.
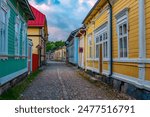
(63, 16)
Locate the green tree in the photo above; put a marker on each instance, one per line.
(51, 46)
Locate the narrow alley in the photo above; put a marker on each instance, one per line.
(59, 81)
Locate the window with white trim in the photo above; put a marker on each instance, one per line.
(105, 45)
(24, 38)
(122, 30)
(4, 27)
(17, 36)
(101, 39)
(90, 46)
(42, 32)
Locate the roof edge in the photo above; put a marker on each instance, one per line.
(98, 1)
(32, 15)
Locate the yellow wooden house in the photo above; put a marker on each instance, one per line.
(59, 54)
(118, 41)
(38, 33)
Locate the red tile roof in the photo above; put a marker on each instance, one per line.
(40, 18)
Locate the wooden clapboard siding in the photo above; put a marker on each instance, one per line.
(147, 12)
(133, 27)
(35, 40)
(105, 66)
(102, 19)
(89, 63)
(147, 72)
(127, 69)
(35, 31)
(96, 64)
(12, 65)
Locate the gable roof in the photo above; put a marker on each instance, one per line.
(72, 34)
(40, 18)
(94, 10)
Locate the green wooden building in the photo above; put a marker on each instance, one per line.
(14, 15)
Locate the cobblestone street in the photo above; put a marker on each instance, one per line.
(59, 81)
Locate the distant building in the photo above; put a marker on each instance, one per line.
(13, 41)
(81, 47)
(59, 54)
(30, 45)
(72, 47)
(38, 33)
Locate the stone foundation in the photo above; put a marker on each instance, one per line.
(123, 87)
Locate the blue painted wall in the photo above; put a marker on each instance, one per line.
(76, 50)
(73, 51)
(12, 67)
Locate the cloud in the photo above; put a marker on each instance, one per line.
(63, 16)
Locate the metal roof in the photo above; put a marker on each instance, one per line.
(40, 18)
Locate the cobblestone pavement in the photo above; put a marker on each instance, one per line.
(59, 81)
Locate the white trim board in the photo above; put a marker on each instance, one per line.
(105, 72)
(132, 60)
(131, 80)
(12, 76)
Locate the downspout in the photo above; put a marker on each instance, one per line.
(110, 42)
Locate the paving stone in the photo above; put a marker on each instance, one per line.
(59, 81)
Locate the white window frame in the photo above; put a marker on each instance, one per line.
(42, 32)
(4, 6)
(89, 46)
(17, 42)
(105, 48)
(121, 19)
(24, 39)
(101, 41)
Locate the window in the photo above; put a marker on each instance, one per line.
(101, 39)
(123, 40)
(24, 38)
(105, 45)
(122, 27)
(90, 46)
(3, 27)
(17, 36)
(97, 50)
(42, 32)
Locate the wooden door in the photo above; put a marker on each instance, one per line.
(101, 59)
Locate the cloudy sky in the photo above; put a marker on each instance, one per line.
(63, 16)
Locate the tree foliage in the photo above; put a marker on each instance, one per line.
(51, 46)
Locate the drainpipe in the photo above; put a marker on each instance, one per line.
(110, 39)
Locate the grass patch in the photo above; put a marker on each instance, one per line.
(15, 92)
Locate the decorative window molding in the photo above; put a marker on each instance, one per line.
(90, 46)
(24, 39)
(101, 38)
(122, 32)
(42, 32)
(17, 36)
(4, 20)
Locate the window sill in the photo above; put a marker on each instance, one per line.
(105, 59)
(12, 56)
(17, 58)
(3, 58)
(97, 59)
